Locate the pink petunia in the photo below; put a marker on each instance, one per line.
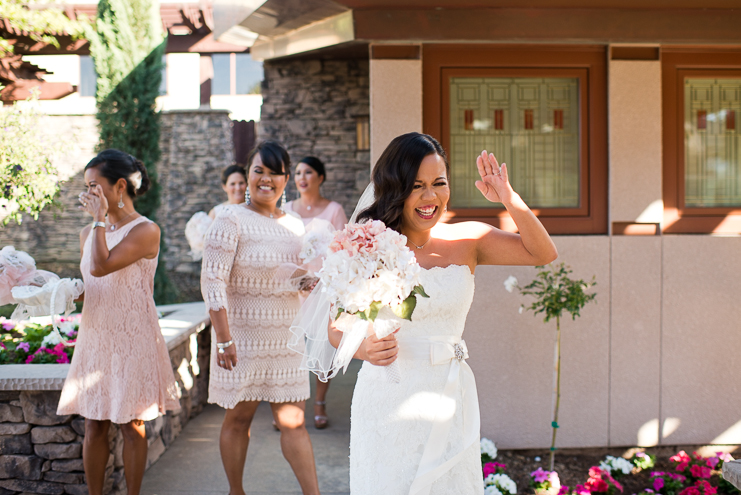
(8, 326)
(23, 346)
(489, 468)
(700, 471)
(658, 484)
(539, 476)
(712, 462)
(563, 490)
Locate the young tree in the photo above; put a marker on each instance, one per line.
(554, 292)
(127, 45)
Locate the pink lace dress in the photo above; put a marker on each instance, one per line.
(333, 213)
(121, 368)
(243, 250)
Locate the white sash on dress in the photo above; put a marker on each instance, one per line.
(444, 350)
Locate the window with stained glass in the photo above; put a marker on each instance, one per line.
(532, 124)
(712, 166)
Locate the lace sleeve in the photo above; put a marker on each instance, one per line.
(219, 251)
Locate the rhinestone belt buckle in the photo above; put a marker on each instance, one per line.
(460, 354)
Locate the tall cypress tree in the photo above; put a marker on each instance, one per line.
(127, 44)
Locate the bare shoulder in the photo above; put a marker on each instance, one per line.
(462, 231)
(146, 230)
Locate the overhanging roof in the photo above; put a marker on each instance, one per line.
(289, 27)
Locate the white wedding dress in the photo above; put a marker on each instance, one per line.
(421, 436)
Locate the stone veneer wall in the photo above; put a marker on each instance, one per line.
(310, 106)
(196, 145)
(41, 453)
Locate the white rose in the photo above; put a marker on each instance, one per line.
(510, 284)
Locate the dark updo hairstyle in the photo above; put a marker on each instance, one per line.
(273, 155)
(394, 175)
(232, 169)
(316, 164)
(114, 165)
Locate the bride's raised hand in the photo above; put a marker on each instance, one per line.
(494, 183)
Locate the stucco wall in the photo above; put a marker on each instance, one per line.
(395, 100)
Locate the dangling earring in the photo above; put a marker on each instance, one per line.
(120, 201)
(247, 196)
(283, 200)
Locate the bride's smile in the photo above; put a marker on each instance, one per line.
(426, 204)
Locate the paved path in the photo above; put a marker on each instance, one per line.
(192, 465)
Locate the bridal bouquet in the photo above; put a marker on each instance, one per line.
(371, 278)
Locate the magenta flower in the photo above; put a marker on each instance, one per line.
(23, 346)
(712, 462)
(658, 484)
(539, 475)
(700, 471)
(8, 326)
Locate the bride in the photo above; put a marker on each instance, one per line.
(421, 435)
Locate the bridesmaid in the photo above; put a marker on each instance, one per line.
(234, 184)
(121, 369)
(251, 314)
(310, 175)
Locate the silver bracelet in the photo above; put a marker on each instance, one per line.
(223, 345)
(99, 224)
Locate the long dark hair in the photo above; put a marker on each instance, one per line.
(115, 164)
(233, 169)
(394, 175)
(273, 155)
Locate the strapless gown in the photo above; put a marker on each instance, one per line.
(421, 436)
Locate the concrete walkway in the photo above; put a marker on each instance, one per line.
(192, 465)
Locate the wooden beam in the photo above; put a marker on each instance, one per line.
(605, 25)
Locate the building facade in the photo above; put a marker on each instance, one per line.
(618, 122)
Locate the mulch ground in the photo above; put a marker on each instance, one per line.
(572, 465)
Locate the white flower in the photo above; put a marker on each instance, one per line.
(67, 327)
(510, 284)
(611, 464)
(492, 490)
(51, 340)
(503, 483)
(488, 448)
(521, 309)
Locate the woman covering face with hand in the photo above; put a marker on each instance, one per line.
(121, 369)
(251, 312)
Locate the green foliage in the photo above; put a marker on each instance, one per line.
(127, 45)
(555, 292)
(28, 177)
(35, 343)
(42, 22)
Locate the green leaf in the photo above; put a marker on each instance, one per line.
(375, 307)
(419, 290)
(339, 312)
(406, 307)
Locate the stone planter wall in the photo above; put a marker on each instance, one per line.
(41, 453)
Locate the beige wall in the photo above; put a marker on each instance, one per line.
(652, 361)
(634, 94)
(395, 101)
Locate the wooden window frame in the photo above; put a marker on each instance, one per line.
(588, 63)
(676, 64)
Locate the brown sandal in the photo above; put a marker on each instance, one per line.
(320, 420)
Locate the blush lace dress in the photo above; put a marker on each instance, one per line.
(421, 436)
(121, 368)
(243, 251)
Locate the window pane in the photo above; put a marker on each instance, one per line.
(249, 74)
(531, 124)
(88, 77)
(712, 170)
(221, 83)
